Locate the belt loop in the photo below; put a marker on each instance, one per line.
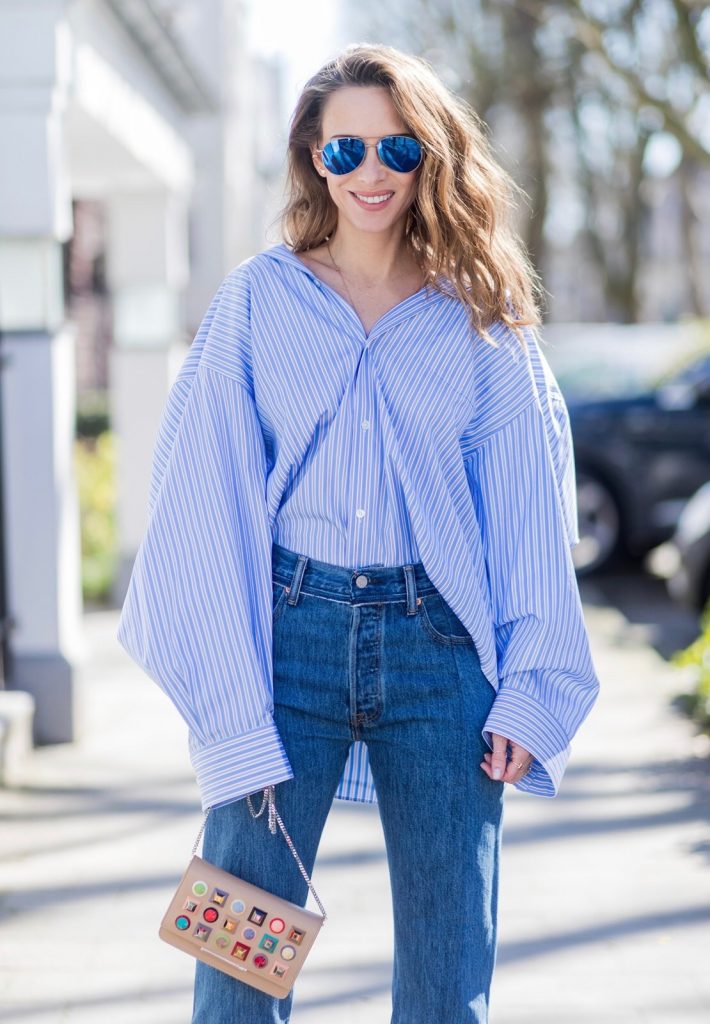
(411, 585)
(298, 571)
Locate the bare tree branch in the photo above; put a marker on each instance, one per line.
(688, 38)
(590, 34)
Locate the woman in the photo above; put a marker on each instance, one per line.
(365, 421)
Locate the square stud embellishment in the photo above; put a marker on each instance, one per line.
(268, 942)
(296, 935)
(257, 915)
(219, 896)
(279, 970)
(240, 951)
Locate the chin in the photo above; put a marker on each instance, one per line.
(369, 223)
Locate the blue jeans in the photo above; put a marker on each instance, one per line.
(390, 663)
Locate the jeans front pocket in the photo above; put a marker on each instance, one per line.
(439, 621)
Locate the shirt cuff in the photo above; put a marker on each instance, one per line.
(521, 719)
(240, 765)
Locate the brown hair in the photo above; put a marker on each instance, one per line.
(458, 224)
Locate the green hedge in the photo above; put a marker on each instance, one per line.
(95, 470)
(696, 659)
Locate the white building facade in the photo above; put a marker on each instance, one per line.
(153, 113)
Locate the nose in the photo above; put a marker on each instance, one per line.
(371, 170)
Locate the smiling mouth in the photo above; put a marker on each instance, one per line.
(378, 199)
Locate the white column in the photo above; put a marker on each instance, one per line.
(37, 381)
(147, 271)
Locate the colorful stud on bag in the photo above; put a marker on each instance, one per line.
(257, 915)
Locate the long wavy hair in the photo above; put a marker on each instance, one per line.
(458, 225)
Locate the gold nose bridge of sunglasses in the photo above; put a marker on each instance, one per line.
(361, 138)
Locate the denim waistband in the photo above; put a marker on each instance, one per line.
(361, 586)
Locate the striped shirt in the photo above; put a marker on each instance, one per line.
(456, 453)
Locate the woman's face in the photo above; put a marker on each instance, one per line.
(366, 111)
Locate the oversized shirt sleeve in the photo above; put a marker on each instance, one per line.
(197, 613)
(521, 474)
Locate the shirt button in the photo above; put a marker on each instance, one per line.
(359, 512)
(365, 424)
(361, 581)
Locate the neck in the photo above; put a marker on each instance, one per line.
(371, 259)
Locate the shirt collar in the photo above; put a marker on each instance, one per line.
(405, 309)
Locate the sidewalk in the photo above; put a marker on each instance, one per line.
(605, 905)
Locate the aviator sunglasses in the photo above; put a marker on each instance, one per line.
(398, 152)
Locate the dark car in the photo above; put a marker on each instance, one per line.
(639, 459)
(684, 560)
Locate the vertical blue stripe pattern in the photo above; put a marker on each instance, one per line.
(417, 441)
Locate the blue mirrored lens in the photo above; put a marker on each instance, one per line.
(400, 153)
(341, 156)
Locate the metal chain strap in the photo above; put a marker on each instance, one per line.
(303, 871)
(199, 834)
(268, 799)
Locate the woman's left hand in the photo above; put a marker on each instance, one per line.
(497, 766)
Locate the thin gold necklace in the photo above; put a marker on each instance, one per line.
(342, 275)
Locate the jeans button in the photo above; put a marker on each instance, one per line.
(361, 581)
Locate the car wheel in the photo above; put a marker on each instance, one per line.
(599, 525)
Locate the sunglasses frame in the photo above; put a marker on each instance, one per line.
(373, 145)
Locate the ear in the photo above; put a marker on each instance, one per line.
(317, 162)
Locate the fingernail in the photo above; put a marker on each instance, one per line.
(497, 773)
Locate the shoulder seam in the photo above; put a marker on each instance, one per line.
(206, 366)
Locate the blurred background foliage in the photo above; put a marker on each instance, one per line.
(94, 455)
(695, 659)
